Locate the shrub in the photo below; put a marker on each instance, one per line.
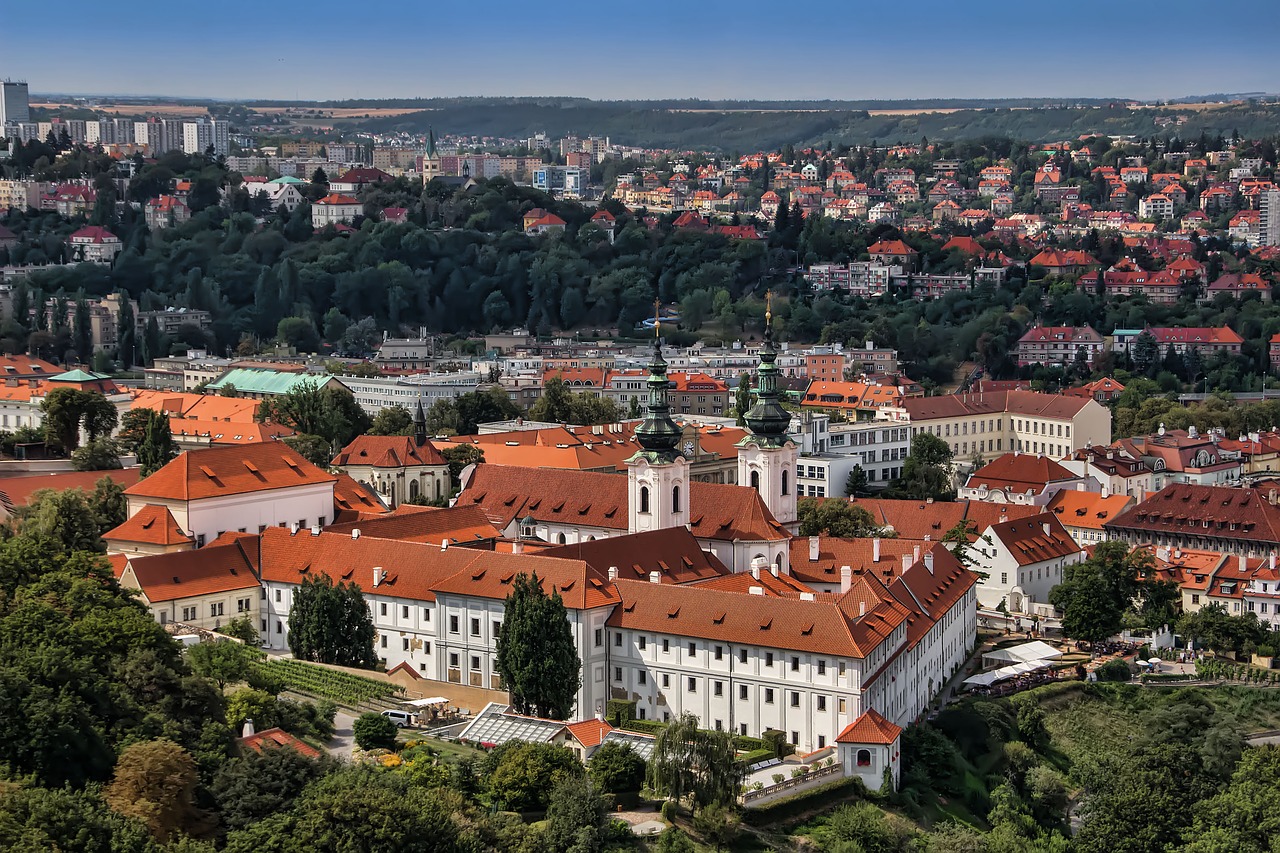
(648, 727)
(755, 755)
(669, 811)
(620, 711)
(1114, 670)
(778, 742)
(374, 731)
(717, 824)
(811, 799)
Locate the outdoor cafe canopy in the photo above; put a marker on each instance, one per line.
(427, 703)
(984, 679)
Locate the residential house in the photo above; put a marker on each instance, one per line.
(1058, 345)
(93, 244)
(1084, 513)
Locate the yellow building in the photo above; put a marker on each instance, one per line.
(202, 589)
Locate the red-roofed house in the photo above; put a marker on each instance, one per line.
(204, 589)
(334, 209)
(893, 252)
(166, 211)
(240, 487)
(548, 224)
(1020, 478)
(1023, 560)
(151, 530)
(276, 738)
(868, 746)
(93, 244)
(1058, 345)
(398, 467)
(1063, 262)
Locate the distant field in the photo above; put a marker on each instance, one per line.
(187, 110)
(336, 113)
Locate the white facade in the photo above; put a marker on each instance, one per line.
(248, 512)
(771, 471)
(658, 494)
(1019, 585)
(375, 393)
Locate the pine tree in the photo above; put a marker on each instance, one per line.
(157, 447)
(537, 657)
(127, 332)
(82, 331)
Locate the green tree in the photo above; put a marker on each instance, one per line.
(1146, 353)
(33, 820)
(374, 731)
(331, 624)
(575, 815)
(127, 345)
(524, 774)
(616, 767)
(67, 409)
(329, 412)
(855, 485)
(742, 397)
(459, 456)
(299, 333)
(558, 404)
(313, 448)
(257, 785)
(926, 473)
(156, 447)
(835, 517)
(81, 330)
(693, 763)
(393, 420)
(100, 454)
(63, 518)
(537, 656)
(1242, 817)
(222, 661)
(155, 782)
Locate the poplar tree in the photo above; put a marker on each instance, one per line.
(537, 656)
(331, 624)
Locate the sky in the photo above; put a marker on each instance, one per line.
(745, 49)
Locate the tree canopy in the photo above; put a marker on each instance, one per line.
(331, 623)
(537, 656)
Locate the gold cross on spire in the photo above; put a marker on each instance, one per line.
(657, 318)
(768, 307)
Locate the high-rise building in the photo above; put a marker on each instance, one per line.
(1269, 222)
(15, 104)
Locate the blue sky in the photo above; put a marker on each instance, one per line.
(696, 48)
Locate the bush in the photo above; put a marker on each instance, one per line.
(374, 731)
(816, 798)
(717, 824)
(669, 811)
(1114, 670)
(617, 767)
(648, 727)
(620, 711)
(756, 755)
(777, 741)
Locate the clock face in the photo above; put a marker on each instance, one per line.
(688, 447)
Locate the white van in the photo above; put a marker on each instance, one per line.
(400, 718)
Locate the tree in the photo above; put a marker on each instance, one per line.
(1146, 353)
(222, 661)
(1242, 817)
(313, 448)
(299, 333)
(690, 762)
(331, 624)
(259, 784)
(329, 412)
(616, 767)
(100, 454)
(66, 409)
(374, 731)
(522, 775)
(393, 420)
(108, 504)
(742, 397)
(1089, 611)
(575, 815)
(855, 485)
(65, 519)
(560, 405)
(127, 344)
(153, 343)
(155, 781)
(537, 656)
(835, 517)
(459, 456)
(243, 629)
(156, 447)
(926, 473)
(81, 330)
(40, 819)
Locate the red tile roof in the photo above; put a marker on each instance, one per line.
(1029, 542)
(870, 728)
(589, 733)
(1019, 472)
(17, 491)
(232, 470)
(1013, 402)
(1087, 509)
(188, 574)
(276, 738)
(151, 525)
(459, 525)
(673, 552)
(387, 451)
(918, 519)
(351, 498)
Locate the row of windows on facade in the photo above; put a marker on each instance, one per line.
(302, 525)
(216, 609)
(1019, 425)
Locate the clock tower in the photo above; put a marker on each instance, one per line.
(658, 473)
(767, 456)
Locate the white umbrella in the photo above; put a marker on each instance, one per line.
(1155, 661)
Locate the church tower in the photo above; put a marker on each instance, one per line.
(767, 456)
(419, 425)
(430, 159)
(658, 475)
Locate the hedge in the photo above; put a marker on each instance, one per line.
(756, 755)
(1151, 677)
(798, 804)
(648, 727)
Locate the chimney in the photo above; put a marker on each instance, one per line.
(755, 590)
(906, 562)
(1045, 527)
(517, 547)
(875, 550)
(1106, 491)
(613, 573)
(1080, 486)
(378, 576)
(915, 554)
(807, 596)
(315, 530)
(355, 533)
(928, 562)
(755, 570)
(846, 578)
(248, 730)
(655, 577)
(813, 549)
(862, 609)
(1272, 561)
(293, 529)
(444, 544)
(1242, 563)
(773, 570)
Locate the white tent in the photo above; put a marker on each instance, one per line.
(983, 679)
(1033, 651)
(427, 703)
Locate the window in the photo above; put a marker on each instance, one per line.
(497, 628)
(643, 642)
(864, 758)
(719, 653)
(1004, 578)
(822, 741)
(795, 737)
(1195, 599)
(475, 627)
(666, 645)
(383, 640)
(426, 648)
(215, 609)
(279, 626)
(188, 614)
(742, 729)
(404, 644)
(242, 604)
(643, 677)
(822, 703)
(755, 480)
(404, 611)
(617, 674)
(795, 699)
(786, 482)
(475, 663)
(453, 624)
(768, 658)
(768, 695)
(617, 640)
(666, 680)
(742, 692)
(693, 685)
(742, 655)
(200, 540)
(717, 688)
(599, 637)
(426, 614)
(382, 609)
(693, 649)
(644, 498)
(675, 498)
(822, 667)
(795, 664)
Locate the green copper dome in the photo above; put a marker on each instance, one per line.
(658, 435)
(767, 420)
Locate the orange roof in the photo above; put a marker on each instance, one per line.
(870, 728)
(673, 553)
(203, 407)
(17, 491)
(151, 525)
(188, 574)
(27, 367)
(918, 519)
(350, 497)
(1019, 472)
(1087, 509)
(232, 470)
(490, 575)
(274, 739)
(388, 451)
(891, 247)
(589, 733)
(458, 524)
(1029, 542)
(220, 433)
(338, 198)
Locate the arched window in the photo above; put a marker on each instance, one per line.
(755, 480)
(413, 489)
(560, 539)
(675, 498)
(644, 498)
(785, 482)
(864, 758)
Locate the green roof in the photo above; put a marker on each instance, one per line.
(78, 375)
(286, 179)
(256, 381)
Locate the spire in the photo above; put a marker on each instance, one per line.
(419, 425)
(767, 420)
(431, 142)
(658, 435)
